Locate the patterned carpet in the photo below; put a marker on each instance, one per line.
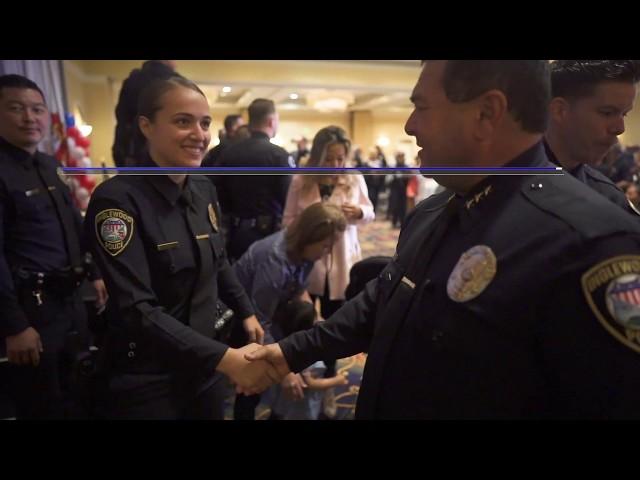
(376, 238)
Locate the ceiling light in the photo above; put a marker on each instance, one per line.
(226, 89)
(293, 96)
(383, 141)
(326, 101)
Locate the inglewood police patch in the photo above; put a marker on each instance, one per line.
(612, 290)
(114, 229)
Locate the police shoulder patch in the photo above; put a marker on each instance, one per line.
(612, 291)
(114, 229)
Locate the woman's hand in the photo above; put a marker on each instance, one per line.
(352, 212)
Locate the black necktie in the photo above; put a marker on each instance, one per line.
(203, 306)
(64, 210)
(418, 268)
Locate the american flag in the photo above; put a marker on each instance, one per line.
(628, 292)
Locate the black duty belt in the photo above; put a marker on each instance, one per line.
(261, 222)
(62, 283)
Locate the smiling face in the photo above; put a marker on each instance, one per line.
(178, 134)
(24, 117)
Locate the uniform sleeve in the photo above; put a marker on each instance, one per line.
(347, 332)
(292, 205)
(13, 319)
(232, 293)
(93, 270)
(589, 332)
(364, 202)
(127, 277)
(230, 290)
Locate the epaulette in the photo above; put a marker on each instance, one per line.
(583, 209)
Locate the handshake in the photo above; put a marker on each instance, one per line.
(254, 368)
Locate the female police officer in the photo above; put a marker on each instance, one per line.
(156, 237)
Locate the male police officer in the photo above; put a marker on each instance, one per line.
(590, 99)
(515, 296)
(255, 202)
(231, 125)
(42, 259)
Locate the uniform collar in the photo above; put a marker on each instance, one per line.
(258, 134)
(577, 172)
(487, 195)
(17, 153)
(169, 190)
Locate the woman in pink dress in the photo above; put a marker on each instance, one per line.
(330, 275)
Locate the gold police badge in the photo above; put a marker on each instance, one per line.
(114, 229)
(612, 290)
(212, 218)
(471, 275)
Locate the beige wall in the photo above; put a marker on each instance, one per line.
(94, 87)
(632, 134)
(327, 74)
(294, 125)
(391, 126)
(93, 97)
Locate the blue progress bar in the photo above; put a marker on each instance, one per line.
(311, 171)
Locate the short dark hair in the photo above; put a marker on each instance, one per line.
(525, 83)
(294, 316)
(259, 110)
(18, 81)
(230, 121)
(575, 79)
(148, 103)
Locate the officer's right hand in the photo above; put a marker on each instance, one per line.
(272, 354)
(24, 348)
(249, 378)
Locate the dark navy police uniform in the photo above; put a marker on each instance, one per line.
(42, 264)
(255, 203)
(519, 300)
(163, 258)
(597, 181)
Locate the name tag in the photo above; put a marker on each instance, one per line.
(204, 236)
(408, 282)
(166, 246)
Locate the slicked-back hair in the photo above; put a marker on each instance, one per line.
(18, 81)
(525, 84)
(575, 79)
(259, 111)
